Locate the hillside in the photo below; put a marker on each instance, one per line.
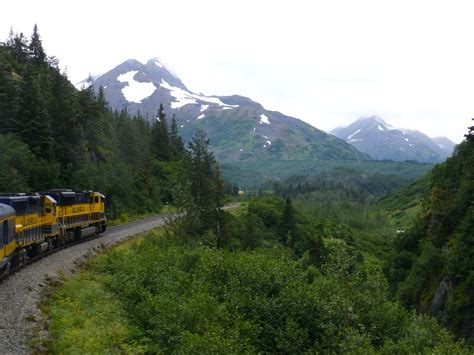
(253, 175)
(404, 206)
(239, 128)
(372, 135)
(432, 266)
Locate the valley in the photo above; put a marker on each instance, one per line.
(353, 242)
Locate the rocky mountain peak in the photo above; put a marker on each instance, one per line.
(239, 128)
(374, 136)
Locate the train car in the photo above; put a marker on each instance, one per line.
(36, 227)
(79, 214)
(31, 224)
(7, 236)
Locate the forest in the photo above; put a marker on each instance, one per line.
(339, 261)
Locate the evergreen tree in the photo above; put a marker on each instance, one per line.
(92, 113)
(36, 48)
(34, 123)
(8, 95)
(219, 198)
(69, 136)
(160, 137)
(470, 134)
(177, 146)
(287, 232)
(206, 187)
(18, 48)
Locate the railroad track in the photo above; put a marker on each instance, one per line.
(114, 229)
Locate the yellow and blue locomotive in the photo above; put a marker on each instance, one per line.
(34, 223)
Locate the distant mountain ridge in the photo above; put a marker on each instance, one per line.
(374, 136)
(239, 128)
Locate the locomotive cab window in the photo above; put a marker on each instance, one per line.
(96, 199)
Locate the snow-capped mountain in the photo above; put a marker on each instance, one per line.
(372, 135)
(239, 128)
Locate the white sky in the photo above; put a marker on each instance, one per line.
(325, 62)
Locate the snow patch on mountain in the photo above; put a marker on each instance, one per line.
(135, 91)
(201, 116)
(204, 107)
(264, 119)
(184, 97)
(353, 134)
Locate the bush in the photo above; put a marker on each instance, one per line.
(171, 297)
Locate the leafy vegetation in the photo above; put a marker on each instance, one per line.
(165, 295)
(404, 206)
(346, 200)
(432, 267)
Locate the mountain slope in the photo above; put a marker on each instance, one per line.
(372, 135)
(432, 268)
(445, 144)
(239, 128)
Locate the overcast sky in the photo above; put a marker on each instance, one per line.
(325, 62)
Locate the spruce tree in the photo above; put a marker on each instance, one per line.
(470, 134)
(34, 123)
(70, 139)
(160, 137)
(18, 48)
(36, 48)
(287, 232)
(92, 113)
(219, 197)
(206, 187)
(8, 95)
(177, 146)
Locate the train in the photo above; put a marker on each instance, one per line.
(32, 224)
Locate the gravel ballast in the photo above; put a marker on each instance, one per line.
(21, 292)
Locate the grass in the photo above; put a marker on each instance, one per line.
(84, 317)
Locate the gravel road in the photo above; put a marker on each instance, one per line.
(20, 293)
